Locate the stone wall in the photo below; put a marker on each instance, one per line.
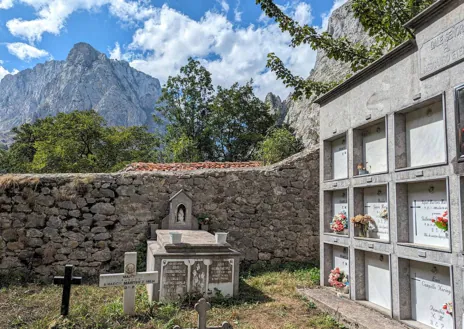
(47, 221)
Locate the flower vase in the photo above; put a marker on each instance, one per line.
(346, 290)
(363, 229)
(345, 231)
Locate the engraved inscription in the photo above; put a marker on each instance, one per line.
(445, 49)
(220, 271)
(174, 280)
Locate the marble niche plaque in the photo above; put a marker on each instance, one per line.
(425, 136)
(426, 202)
(430, 290)
(339, 158)
(340, 259)
(377, 276)
(442, 51)
(339, 202)
(204, 276)
(375, 203)
(375, 148)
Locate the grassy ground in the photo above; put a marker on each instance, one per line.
(268, 300)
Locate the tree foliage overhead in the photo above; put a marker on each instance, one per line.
(76, 142)
(211, 125)
(382, 19)
(279, 145)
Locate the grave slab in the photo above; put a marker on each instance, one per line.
(348, 312)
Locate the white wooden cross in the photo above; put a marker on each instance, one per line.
(129, 279)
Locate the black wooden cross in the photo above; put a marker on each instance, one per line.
(67, 280)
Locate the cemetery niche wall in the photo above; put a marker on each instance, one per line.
(404, 185)
(190, 261)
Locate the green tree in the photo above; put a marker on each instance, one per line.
(185, 103)
(383, 19)
(238, 122)
(279, 145)
(78, 141)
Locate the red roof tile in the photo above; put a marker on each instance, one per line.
(142, 166)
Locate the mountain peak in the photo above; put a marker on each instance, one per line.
(82, 53)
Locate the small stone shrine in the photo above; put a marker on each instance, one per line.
(190, 260)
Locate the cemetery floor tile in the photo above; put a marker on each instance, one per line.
(348, 312)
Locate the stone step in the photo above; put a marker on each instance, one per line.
(351, 314)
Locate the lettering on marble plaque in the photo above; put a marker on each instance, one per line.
(220, 271)
(376, 205)
(174, 277)
(430, 290)
(443, 51)
(427, 201)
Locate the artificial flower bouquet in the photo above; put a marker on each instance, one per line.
(362, 222)
(384, 213)
(442, 221)
(338, 279)
(339, 222)
(448, 307)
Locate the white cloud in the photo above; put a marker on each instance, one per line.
(24, 51)
(6, 4)
(237, 12)
(325, 17)
(230, 54)
(302, 13)
(116, 52)
(224, 5)
(4, 72)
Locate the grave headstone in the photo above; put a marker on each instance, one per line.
(129, 280)
(67, 281)
(180, 215)
(202, 307)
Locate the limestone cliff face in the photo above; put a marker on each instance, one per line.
(302, 114)
(87, 79)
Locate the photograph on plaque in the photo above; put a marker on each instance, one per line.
(428, 213)
(431, 295)
(378, 282)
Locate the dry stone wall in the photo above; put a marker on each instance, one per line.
(47, 221)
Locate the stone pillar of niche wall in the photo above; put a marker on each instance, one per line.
(359, 279)
(327, 264)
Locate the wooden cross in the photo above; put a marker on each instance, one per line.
(67, 280)
(129, 279)
(202, 307)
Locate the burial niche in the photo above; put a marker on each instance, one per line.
(372, 203)
(426, 294)
(335, 158)
(337, 267)
(420, 135)
(336, 212)
(370, 148)
(422, 213)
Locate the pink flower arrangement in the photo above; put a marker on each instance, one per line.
(339, 222)
(448, 307)
(337, 278)
(442, 222)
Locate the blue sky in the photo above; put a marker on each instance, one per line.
(230, 37)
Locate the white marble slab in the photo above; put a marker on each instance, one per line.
(425, 136)
(375, 149)
(375, 201)
(339, 202)
(340, 259)
(339, 158)
(430, 290)
(378, 279)
(427, 201)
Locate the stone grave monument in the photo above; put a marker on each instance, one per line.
(197, 263)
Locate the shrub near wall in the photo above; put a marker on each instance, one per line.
(47, 221)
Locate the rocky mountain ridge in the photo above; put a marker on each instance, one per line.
(87, 79)
(302, 115)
